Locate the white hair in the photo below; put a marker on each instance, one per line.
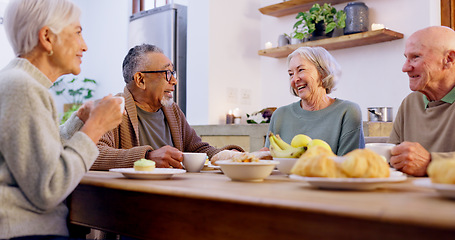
(325, 63)
(24, 19)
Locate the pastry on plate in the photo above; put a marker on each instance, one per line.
(317, 161)
(144, 165)
(442, 171)
(360, 163)
(364, 163)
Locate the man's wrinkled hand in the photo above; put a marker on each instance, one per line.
(166, 157)
(410, 158)
(83, 113)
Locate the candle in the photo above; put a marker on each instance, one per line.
(237, 117)
(230, 117)
(376, 26)
(236, 112)
(268, 45)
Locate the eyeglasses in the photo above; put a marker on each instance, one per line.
(169, 73)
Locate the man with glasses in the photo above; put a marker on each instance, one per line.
(153, 126)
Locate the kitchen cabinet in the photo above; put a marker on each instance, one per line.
(345, 41)
(294, 6)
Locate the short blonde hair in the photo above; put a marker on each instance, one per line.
(325, 63)
(24, 18)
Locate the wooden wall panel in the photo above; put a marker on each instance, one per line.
(448, 13)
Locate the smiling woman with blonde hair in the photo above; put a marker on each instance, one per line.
(313, 74)
(40, 162)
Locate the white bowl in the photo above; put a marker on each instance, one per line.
(250, 171)
(286, 164)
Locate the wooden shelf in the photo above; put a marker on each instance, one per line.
(345, 41)
(294, 6)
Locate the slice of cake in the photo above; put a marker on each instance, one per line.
(144, 165)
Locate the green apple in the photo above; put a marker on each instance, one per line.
(300, 140)
(319, 142)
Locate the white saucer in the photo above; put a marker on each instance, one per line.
(158, 173)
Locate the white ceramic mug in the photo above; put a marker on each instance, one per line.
(194, 162)
(382, 149)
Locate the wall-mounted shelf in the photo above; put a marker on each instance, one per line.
(294, 6)
(345, 41)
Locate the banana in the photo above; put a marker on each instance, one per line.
(281, 149)
(272, 140)
(292, 152)
(283, 145)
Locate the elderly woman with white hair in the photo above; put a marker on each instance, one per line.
(41, 162)
(313, 73)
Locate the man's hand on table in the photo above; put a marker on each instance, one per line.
(166, 157)
(410, 158)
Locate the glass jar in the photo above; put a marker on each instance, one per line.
(356, 18)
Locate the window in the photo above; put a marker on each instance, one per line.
(142, 5)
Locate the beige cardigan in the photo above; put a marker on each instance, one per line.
(119, 148)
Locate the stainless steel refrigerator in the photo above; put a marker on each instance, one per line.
(165, 27)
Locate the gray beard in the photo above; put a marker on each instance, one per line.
(166, 102)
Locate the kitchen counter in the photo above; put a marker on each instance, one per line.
(251, 137)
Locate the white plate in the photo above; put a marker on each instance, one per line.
(158, 173)
(351, 183)
(446, 190)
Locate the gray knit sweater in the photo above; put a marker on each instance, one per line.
(40, 164)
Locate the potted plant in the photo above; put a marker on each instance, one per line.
(75, 90)
(318, 21)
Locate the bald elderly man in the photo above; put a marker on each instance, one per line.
(425, 124)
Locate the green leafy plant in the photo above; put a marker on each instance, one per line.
(75, 91)
(306, 21)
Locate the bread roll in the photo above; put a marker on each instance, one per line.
(364, 163)
(442, 171)
(317, 161)
(360, 163)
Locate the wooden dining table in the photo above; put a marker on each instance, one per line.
(208, 205)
